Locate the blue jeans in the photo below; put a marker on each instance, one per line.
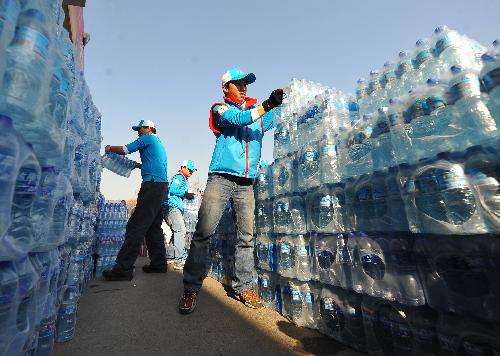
(218, 191)
(175, 221)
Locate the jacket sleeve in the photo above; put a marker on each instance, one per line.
(136, 145)
(177, 187)
(233, 117)
(268, 118)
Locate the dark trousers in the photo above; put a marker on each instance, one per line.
(146, 222)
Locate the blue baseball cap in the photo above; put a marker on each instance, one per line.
(237, 74)
(189, 164)
(143, 123)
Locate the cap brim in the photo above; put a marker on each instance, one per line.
(249, 78)
(136, 128)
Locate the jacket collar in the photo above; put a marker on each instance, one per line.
(248, 102)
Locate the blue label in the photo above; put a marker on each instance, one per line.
(27, 182)
(389, 77)
(373, 85)
(303, 251)
(308, 298)
(403, 67)
(325, 202)
(33, 40)
(451, 180)
(381, 127)
(329, 149)
(285, 248)
(491, 79)
(418, 109)
(310, 156)
(442, 44)
(469, 87)
(296, 295)
(435, 102)
(422, 57)
(265, 282)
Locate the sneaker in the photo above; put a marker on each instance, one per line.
(178, 266)
(154, 269)
(117, 275)
(250, 299)
(187, 303)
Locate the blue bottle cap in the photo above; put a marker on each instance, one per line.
(374, 72)
(487, 57)
(383, 110)
(457, 68)
(440, 29)
(387, 64)
(420, 42)
(496, 42)
(432, 82)
(367, 117)
(361, 80)
(403, 54)
(393, 101)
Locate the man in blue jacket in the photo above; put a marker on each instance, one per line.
(238, 124)
(173, 210)
(147, 217)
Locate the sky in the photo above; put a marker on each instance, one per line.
(163, 60)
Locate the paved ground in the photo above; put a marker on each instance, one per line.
(141, 318)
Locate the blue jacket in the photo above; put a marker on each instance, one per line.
(178, 188)
(238, 139)
(153, 157)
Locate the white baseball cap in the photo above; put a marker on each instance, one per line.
(143, 123)
(237, 74)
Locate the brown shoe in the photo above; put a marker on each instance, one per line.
(187, 303)
(250, 299)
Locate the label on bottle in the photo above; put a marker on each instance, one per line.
(403, 67)
(422, 57)
(435, 102)
(491, 79)
(303, 251)
(466, 88)
(344, 256)
(310, 156)
(296, 295)
(329, 149)
(285, 248)
(329, 304)
(308, 298)
(416, 110)
(373, 86)
(265, 282)
(427, 183)
(452, 179)
(388, 78)
(27, 182)
(282, 135)
(8, 11)
(325, 202)
(381, 127)
(443, 43)
(33, 40)
(283, 176)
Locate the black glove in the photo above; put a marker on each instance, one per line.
(189, 196)
(275, 99)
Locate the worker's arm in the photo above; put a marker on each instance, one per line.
(115, 149)
(268, 119)
(176, 186)
(233, 117)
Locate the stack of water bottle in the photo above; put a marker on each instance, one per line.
(118, 164)
(222, 248)
(378, 221)
(49, 178)
(111, 224)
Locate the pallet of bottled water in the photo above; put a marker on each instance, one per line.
(110, 231)
(49, 176)
(378, 221)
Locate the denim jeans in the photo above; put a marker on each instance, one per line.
(175, 221)
(218, 191)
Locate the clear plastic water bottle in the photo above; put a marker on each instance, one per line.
(266, 289)
(355, 155)
(292, 301)
(66, 319)
(308, 167)
(490, 78)
(395, 218)
(9, 10)
(400, 131)
(325, 248)
(286, 257)
(438, 197)
(343, 266)
(262, 252)
(404, 73)
(373, 91)
(362, 202)
(482, 171)
(472, 115)
(282, 140)
(263, 182)
(383, 153)
(9, 284)
(330, 170)
(19, 237)
(388, 82)
(283, 175)
(26, 307)
(423, 61)
(310, 305)
(361, 94)
(28, 59)
(302, 258)
(264, 216)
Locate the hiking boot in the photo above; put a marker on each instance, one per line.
(154, 269)
(117, 275)
(187, 303)
(250, 299)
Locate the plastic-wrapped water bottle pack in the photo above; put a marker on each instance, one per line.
(49, 173)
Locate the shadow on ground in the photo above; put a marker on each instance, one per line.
(141, 318)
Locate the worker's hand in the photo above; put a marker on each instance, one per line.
(137, 165)
(275, 99)
(107, 148)
(189, 196)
